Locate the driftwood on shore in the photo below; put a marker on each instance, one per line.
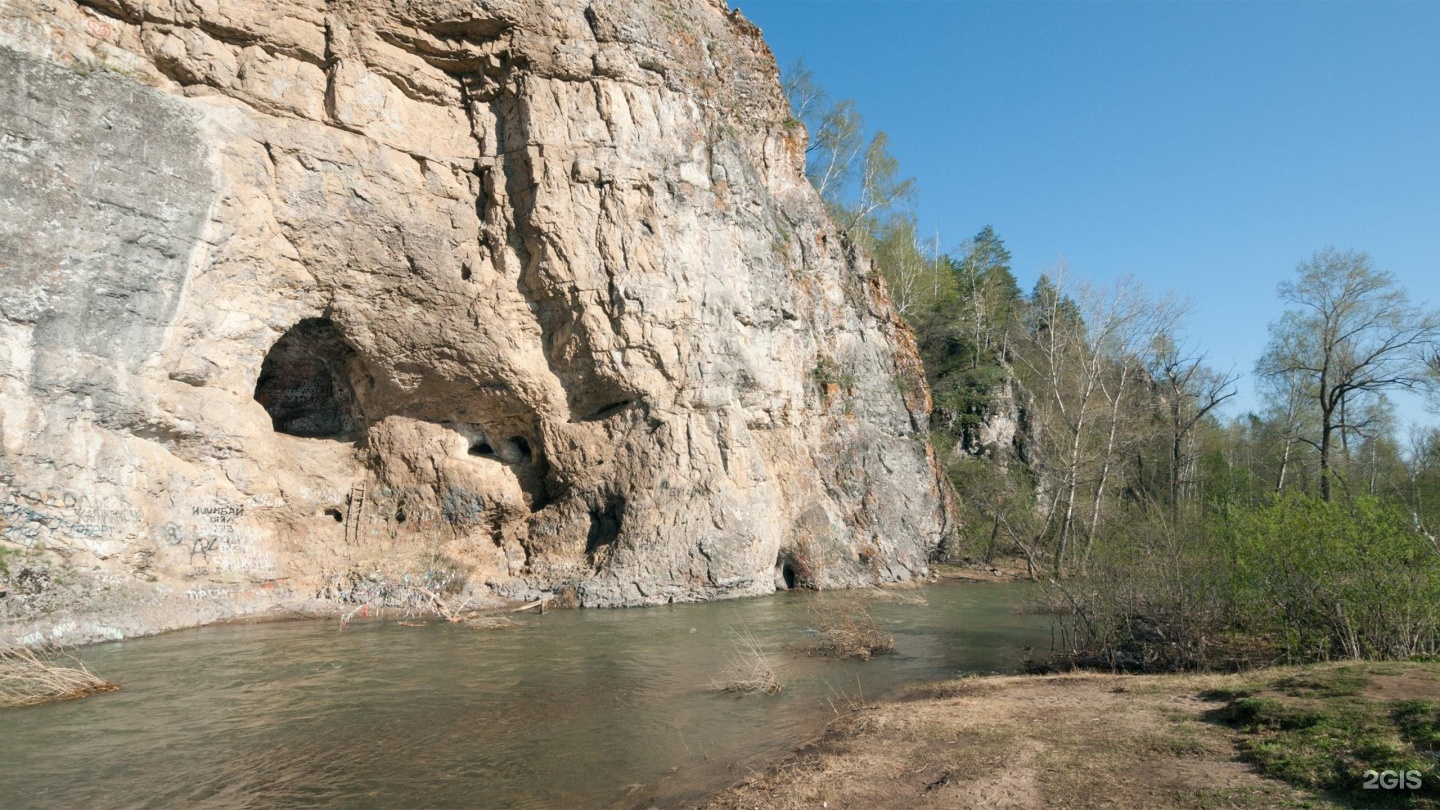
(455, 614)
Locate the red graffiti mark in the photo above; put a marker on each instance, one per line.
(99, 28)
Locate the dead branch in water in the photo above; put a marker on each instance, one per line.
(444, 609)
(29, 677)
(471, 618)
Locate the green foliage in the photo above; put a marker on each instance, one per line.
(827, 372)
(964, 335)
(1335, 579)
(1296, 577)
(997, 503)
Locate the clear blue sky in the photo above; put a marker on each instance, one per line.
(1203, 147)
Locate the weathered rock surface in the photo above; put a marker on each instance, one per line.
(323, 303)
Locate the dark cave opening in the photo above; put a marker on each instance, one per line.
(787, 572)
(605, 525)
(522, 447)
(481, 448)
(305, 383)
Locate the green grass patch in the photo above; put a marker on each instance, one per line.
(1317, 730)
(1345, 682)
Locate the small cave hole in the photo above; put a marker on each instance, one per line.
(480, 447)
(522, 447)
(399, 515)
(305, 383)
(787, 573)
(335, 513)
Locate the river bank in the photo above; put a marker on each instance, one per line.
(1101, 740)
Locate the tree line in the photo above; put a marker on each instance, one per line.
(1086, 433)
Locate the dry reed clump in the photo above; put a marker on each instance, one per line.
(29, 677)
(847, 630)
(750, 671)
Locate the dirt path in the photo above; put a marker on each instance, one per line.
(1068, 741)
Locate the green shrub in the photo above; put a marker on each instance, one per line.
(1352, 580)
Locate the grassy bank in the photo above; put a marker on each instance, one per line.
(1288, 737)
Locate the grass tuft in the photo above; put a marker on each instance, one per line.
(750, 671)
(29, 677)
(847, 630)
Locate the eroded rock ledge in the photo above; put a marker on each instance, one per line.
(317, 303)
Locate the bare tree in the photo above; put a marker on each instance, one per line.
(910, 273)
(836, 133)
(1079, 361)
(802, 91)
(1131, 320)
(1351, 333)
(1058, 367)
(837, 157)
(1190, 390)
(880, 186)
(835, 145)
(1286, 413)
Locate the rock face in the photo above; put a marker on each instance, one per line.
(330, 303)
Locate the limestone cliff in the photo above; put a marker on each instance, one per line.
(323, 303)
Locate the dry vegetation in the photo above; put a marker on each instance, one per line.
(29, 677)
(750, 671)
(847, 630)
(1027, 742)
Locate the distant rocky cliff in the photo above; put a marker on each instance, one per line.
(330, 303)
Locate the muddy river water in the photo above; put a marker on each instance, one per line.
(573, 708)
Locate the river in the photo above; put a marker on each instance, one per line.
(573, 708)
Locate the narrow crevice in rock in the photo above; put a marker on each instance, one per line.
(608, 411)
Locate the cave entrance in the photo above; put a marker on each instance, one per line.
(787, 574)
(605, 525)
(305, 383)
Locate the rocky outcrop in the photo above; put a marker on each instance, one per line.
(329, 303)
